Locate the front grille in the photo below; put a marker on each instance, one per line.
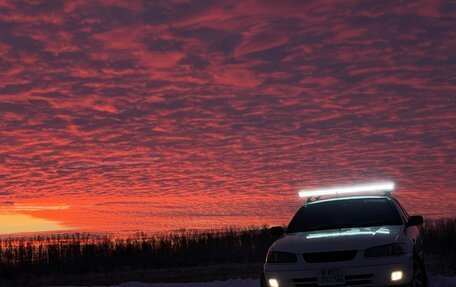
(362, 280)
(305, 282)
(358, 280)
(329, 256)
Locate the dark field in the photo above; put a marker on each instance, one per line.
(214, 254)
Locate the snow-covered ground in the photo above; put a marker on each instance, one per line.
(434, 281)
(441, 281)
(229, 283)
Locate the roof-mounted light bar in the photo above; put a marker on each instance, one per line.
(386, 187)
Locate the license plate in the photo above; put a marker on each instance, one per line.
(330, 276)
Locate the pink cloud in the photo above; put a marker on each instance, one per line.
(208, 114)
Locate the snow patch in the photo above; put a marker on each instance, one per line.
(434, 281)
(229, 283)
(441, 281)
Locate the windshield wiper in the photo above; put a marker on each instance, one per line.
(367, 224)
(323, 227)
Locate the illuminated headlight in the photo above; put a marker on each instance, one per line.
(385, 250)
(396, 275)
(273, 282)
(280, 257)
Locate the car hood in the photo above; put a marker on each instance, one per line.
(337, 239)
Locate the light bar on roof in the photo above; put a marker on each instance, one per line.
(362, 188)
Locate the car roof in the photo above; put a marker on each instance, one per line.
(389, 197)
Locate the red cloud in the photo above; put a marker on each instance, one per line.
(158, 116)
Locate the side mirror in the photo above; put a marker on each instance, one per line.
(415, 220)
(277, 231)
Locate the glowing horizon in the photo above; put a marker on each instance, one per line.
(21, 223)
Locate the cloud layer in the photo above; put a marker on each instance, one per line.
(168, 114)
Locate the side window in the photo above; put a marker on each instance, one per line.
(403, 211)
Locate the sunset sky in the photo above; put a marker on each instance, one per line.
(157, 115)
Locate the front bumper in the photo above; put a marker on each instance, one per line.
(365, 274)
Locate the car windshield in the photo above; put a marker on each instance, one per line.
(345, 213)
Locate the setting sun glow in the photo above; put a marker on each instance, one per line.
(19, 223)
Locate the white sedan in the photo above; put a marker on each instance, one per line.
(367, 240)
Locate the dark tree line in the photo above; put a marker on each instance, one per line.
(439, 237)
(88, 253)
